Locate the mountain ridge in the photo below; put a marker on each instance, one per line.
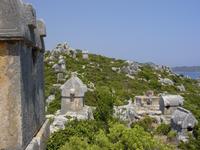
(186, 69)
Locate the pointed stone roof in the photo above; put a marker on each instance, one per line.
(73, 86)
(183, 118)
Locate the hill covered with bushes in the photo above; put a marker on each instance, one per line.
(114, 82)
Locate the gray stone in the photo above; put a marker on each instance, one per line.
(58, 123)
(50, 99)
(126, 112)
(33, 145)
(73, 92)
(30, 15)
(22, 102)
(166, 81)
(61, 120)
(39, 141)
(169, 103)
(181, 88)
(60, 77)
(41, 28)
(183, 121)
(85, 55)
(131, 68)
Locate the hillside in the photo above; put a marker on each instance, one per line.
(124, 80)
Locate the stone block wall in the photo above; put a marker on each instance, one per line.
(22, 105)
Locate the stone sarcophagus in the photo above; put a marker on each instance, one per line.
(73, 92)
(22, 106)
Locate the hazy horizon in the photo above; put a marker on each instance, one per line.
(163, 32)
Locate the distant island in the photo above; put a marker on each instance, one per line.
(186, 69)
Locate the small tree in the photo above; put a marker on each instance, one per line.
(104, 101)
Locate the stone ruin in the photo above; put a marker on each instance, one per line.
(60, 69)
(73, 91)
(147, 104)
(183, 121)
(85, 55)
(72, 104)
(169, 103)
(22, 116)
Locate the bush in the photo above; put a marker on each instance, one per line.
(89, 135)
(104, 101)
(146, 123)
(55, 104)
(163, 129)
(171, 135)
(90, 98)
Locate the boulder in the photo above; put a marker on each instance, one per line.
(181, 88)
(50, 99)
(58, 123)
(166, 81)
(125, 112)
(132, 68)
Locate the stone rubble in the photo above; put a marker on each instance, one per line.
(59, 120)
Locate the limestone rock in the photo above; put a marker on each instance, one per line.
(132, 68)
(166, 81)
(115, 69)
(125, 112)
(50, 99)
(58, 123)
(61, 119)
(181, 88)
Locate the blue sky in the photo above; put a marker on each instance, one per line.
(161, 31)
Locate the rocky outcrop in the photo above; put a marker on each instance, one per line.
(166, 81)
(181, 88)
(59, 120)
(126, 112)
(131, 68)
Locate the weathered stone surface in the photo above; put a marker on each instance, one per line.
(181, 88)
(33, 145)
(50, 99)
(21, 75)
(183, 121)
(126, 112)
(60, 120)
(85, 55)
(73, 92)
(166, 81)
(11, 19)
(168, 104)
(131, 68)
(30, 15)
(10, 133)
(39, 141)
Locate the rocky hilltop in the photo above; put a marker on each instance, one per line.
(113, 86)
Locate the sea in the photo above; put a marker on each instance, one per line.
(193, 75)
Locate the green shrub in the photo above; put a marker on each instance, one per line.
(146, 124)
(55, 104)
(171, 135)
(163, 129)
(104, 104)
